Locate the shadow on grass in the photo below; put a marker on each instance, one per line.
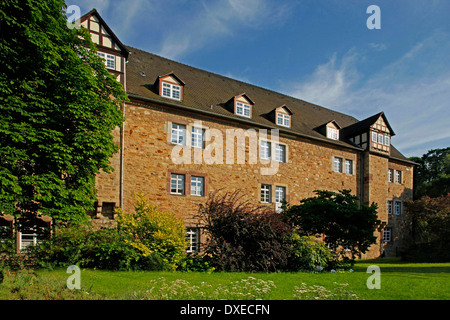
(396, 265)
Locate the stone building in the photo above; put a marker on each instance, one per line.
(188, 132)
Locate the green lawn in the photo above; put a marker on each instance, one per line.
(400, 281)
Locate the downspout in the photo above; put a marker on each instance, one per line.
(122, 139)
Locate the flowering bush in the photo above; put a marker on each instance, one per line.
(316, 292)
(153, 232)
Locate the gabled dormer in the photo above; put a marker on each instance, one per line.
(373, 133)
(283, 116)
(170, 86)
(241, 105)
(109, 47)
(330, 129)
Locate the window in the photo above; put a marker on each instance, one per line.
(178, 134)
(387, 235)
(380, 138)
(192, 236)
(177, 184)
(265, 151)
(283, 120)
(280, 153)
(397, 207)
(198, 135)
(374, 136)
(391, 175)
(171, 91)
(280, 196)
(386, 140)
(389, 207)
(333, 133)
(110, 60)
(398, 176)
(266, 193)
(197, 186)
(243, 109)
(337, 164)
(349, 166)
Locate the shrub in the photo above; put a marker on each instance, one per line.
(154, 233)
(307, 253)
(242, 236)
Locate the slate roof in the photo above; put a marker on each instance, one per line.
(204, 89)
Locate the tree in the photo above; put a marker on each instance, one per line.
(426, 229)
(339, 217)
(58, 108)
(432, 174)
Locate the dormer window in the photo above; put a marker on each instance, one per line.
(170, 86)
(171, 91)
(281, 116)
(241, 105)
(333, 133)
(243, 109)
(283, 120)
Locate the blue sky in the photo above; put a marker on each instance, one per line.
(320, 51)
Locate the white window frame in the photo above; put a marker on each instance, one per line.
(387, 141)
(266, 193)
(280, 152)
(265, 152)
(197, 186)
(109, 60)
(391, 175)
(280, 195)
(171, 91)
(178, 131)
(283, 120)
(389, 207)
(192, 237)
(177, 180)
(198, 137)
(337, 164)
(333, 133)
(348, 166)
(243, 109)
(387, 235)
(398, 207)
(380, 138)
(374, 137)
(398, 176)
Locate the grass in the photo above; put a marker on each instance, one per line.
(399, 281)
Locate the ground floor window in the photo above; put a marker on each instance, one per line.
(387, 235)
(192, 237)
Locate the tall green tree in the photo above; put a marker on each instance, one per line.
(432, 174)
(58, 108)
(339, 217)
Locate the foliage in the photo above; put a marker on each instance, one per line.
(58, 108)
(242, 236)
(339, 217)
(153, 232)
(432, 174)
(316, 292)
(426, 229)
(86, 247)
(28, 285)
(195, 263)
(307, 253)
(244, 289)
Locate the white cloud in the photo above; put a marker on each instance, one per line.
(216, 19)
(413, 91)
